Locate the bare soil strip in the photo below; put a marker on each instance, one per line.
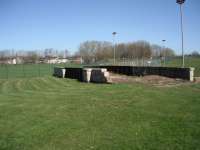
(155, 80)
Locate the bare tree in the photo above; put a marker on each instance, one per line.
(92, 51)
(195, 54)
(168, 52)
(31, 57)
(156, 50)
(66, 53)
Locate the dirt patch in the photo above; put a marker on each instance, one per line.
(197, 79)
(155, 80)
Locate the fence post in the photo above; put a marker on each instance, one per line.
(23, 69)
(39, 69)
(7, 71)
(49, 66)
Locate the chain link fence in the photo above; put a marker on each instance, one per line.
(176, 61)
(133, 62)
(9, 71)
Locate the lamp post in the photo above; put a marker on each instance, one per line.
(180, 2)
(114, 46)
(164, 53)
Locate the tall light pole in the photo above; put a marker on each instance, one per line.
(164, 53)
(114, 46)
(180, 2)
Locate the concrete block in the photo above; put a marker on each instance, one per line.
(96, 75)
(87, 74)
(59, 72)
(191, 74)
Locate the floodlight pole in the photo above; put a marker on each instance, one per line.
(114, 47)
(183, 61)
(164, 52)
(180, 2)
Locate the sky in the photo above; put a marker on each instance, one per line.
(64, 24)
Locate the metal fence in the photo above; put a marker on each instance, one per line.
(9, 71)
(176, 61)
(133, 62)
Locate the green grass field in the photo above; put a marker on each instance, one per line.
(47, 113)
(29, 70)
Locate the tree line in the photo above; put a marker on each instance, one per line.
(94, 51)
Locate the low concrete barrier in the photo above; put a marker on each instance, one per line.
(74, 73)
(59, 72)
(82, 74)
(87, 74)
(172, 72)
(96, 75)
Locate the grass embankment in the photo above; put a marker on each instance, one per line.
(53, 114)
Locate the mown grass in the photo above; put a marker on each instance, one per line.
(189, 62)
(55, 114)
(29, 70)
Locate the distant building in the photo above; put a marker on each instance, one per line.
(47, 60)
(76, 60)
(56, 60)
(11, 61)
